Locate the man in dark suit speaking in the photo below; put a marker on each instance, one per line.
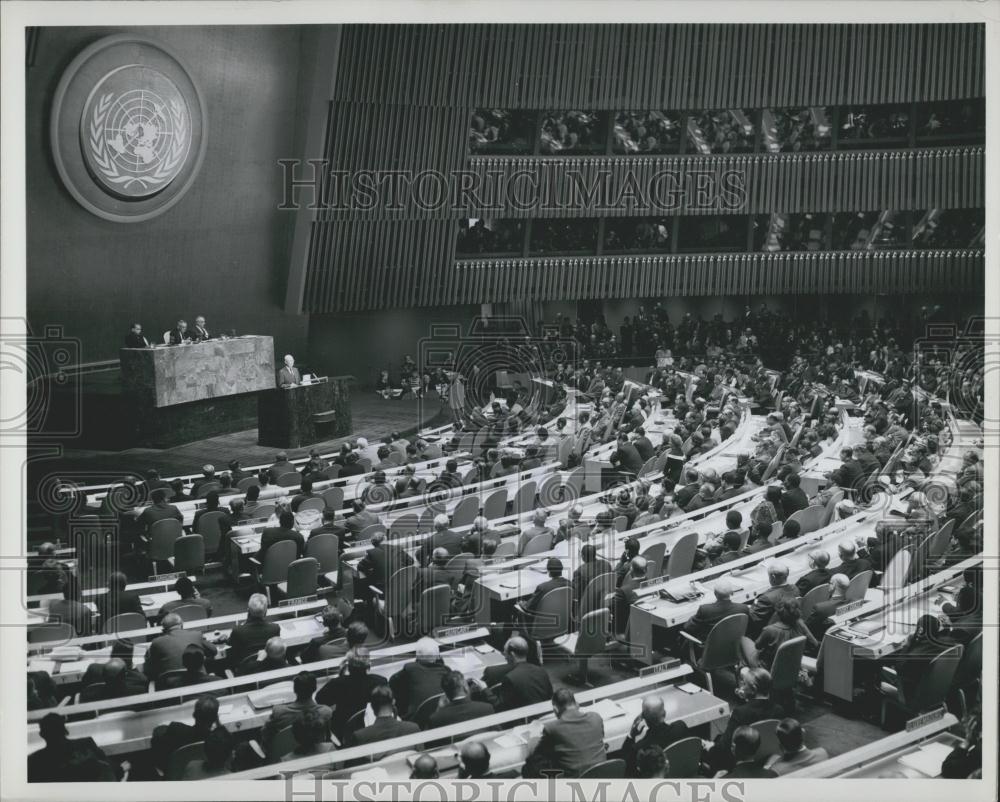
(135, 338)
(289, 375)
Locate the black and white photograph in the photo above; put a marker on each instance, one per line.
(434, 400)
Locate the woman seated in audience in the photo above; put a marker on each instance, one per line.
(769, 509)
(789, 624)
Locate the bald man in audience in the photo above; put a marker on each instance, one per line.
(650, 728)
(273, 656)
(709, 614)
(166, 652)
(425, 767)
(819, 560)
(441, 538)
(249, 638)
(474, 763)
(819, 620)
(850, 563)
(537, 529)
(521, 683)
(764, 605)
(418, 681)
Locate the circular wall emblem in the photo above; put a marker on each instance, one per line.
(128, 128)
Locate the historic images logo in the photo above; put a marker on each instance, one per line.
(128, 128)
(136, 132)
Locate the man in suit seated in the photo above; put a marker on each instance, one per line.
(382, 560)
(249, 637)
(280, 467)
(352, 466)
(118, 600)
(572, 742)
(386, 724)
(537, 529)
(474, 763)
(764, 605)
(118, 679)
(179, 334)
(819, 621)
(521, 683)
(275, 656)
(793, 498)
(650, 728)
(65, 759)
(709, 614)
(305, 492)
(478, 535)
(625, 596)
(418, 681)
(425, 767)
(441, 538)
(591, 567)
(166, 652)
(731, 542)
(457, 706)
(158, 510)
(70, 610)
(359, 519)
(168, 738)
(194, 670)
(284, 715)
(284, 531)
(794, 753)
(850, 563)
(189, 595)
(349, 691)
(207, 480)
(819, 559)
(333, 629)
(135, 338)
(554, 568)
(746, 742)
(200, 332)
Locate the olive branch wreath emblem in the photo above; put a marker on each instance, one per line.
(101, 153)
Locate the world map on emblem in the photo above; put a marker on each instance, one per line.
(135, 132)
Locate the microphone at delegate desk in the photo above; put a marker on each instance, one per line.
(289, 376)
(135, 338)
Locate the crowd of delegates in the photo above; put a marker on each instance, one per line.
(706, 412)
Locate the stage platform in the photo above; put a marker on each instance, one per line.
(373, 418)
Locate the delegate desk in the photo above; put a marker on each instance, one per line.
(179, 393)
(291, 417)
(131, 731)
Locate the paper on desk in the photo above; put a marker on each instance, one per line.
(606, 709)
(689, 687)
(48, 666)
(509, 740)
(74, 667)
(928, 759)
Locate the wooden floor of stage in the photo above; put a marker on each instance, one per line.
(372, 417)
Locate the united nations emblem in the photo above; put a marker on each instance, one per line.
(138, 122)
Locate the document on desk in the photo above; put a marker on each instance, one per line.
(48, 666)
(928, 759)
(279, 694)
(510, 740)
(607, 709)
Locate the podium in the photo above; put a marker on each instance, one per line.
(298, 416)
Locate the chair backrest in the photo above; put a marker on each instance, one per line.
(206, 488)
(537, 544)
(456, 566)
(208, 528)
(91, 693)
(507, 548)
(936, 682)
(608, 770)
(399, 590)
(289, 479)
(331, 471)
(621, 523)
(810, 519)
(355, 721)
(593, 633)
(395, 458)
(769, 745)
(191, 612)
(318, 504)
(787, 662)
(124, 622)
(426, 708)
(831, 506)
(46, 633)
(574, 484)
(263, 510)
(276, 561)
(495, 505)
(167, 679)
(970, 667)
(897, 570)
(180, 757)
(722, 641)
(820, 593)
(189, 553)
(281, 743)
(166, 338)
(404, 526)
(654, 556)
(426, 523)
(858, 586)
(162, 535)
(565, 449)
(552, 615)
(465, 511)
(325, 548)
(435, 608)
(303, 578)
(772, 466)
(365, 463)
(524, 501)
(648, 467)
(247, 482)
(941, 540)
(682, 553)
(683, 758)
(596, 592)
